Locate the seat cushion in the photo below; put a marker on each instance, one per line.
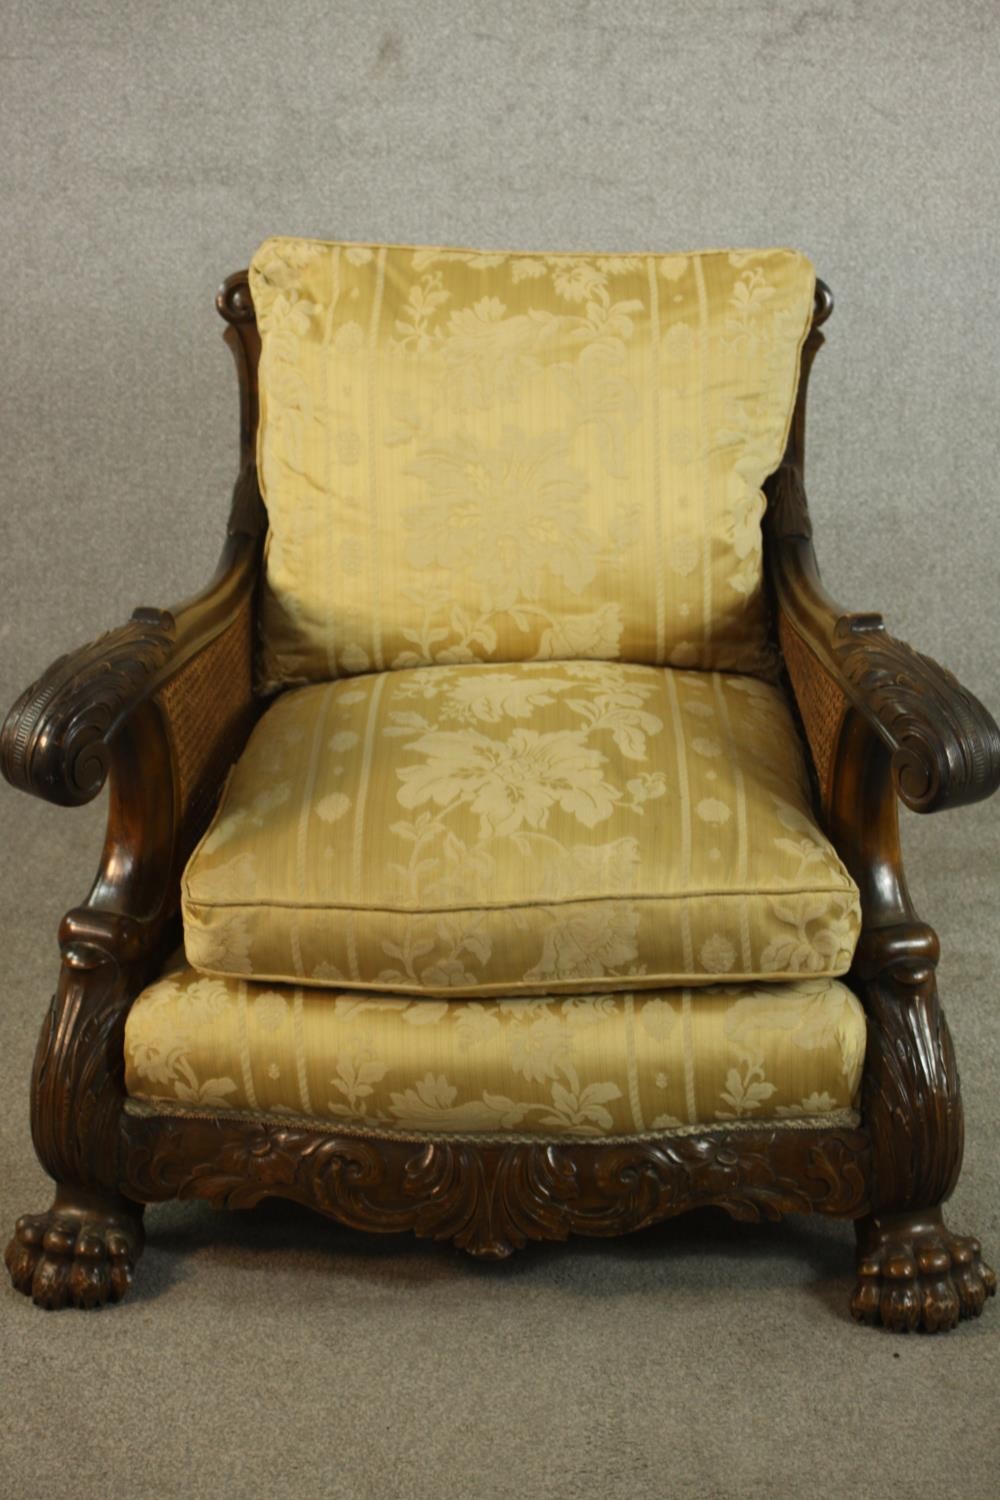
(477, 455)
(586, 1065)
(493, 830)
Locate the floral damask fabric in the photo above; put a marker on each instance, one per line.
(507, 457)
(585, 1065)
(534, 828)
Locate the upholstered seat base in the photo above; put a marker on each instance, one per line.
(589, 1067)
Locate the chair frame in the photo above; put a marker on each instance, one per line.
(161, 707)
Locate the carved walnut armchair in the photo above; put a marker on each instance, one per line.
(504, 844)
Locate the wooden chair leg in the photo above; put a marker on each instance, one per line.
(913, 1272)
(82, 1251)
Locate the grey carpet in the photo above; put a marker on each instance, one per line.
(147, 150)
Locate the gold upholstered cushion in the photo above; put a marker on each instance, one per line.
(588, 1065)
(536, 828)
(476, 455)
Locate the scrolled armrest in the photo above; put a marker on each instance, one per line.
(160, 709)
(945, 745)
(55, 740)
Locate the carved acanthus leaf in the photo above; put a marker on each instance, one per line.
(946, 746)
(491, 1199)
(55, 740)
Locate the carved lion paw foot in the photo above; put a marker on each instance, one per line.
(915, 1274)
(72, 1258)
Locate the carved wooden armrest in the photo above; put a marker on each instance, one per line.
(55, 741)
(193, 663)
(944, 745)
(161, 707)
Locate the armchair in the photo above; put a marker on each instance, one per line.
(162, 708)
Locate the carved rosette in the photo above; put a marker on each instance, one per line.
(491, 1199)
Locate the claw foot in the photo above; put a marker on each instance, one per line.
(75, 1256)
(913, 1273)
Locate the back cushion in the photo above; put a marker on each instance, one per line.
(508, 457)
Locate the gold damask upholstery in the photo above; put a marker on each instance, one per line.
(559, 875)
(473, 455)
(526, 829)
(585, 1065)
